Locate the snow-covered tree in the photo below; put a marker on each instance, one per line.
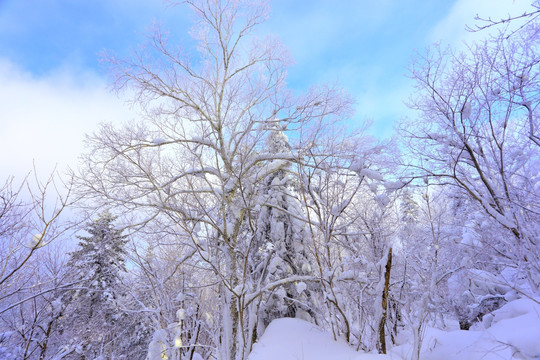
(32, 314)
(175, 291)
(198, 160)
(28, 222)
(478, 134)
(340, 200)
(94, 323)
(31, 275)
(282, 239)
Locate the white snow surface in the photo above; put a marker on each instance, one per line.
(293, 339)
(511, 332)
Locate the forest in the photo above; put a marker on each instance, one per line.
(233, 201)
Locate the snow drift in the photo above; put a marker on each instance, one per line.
(511, 332)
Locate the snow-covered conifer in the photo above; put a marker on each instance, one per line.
(93, 321)
(281, 237)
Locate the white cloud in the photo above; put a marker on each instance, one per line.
(44, 119)
(452, 29)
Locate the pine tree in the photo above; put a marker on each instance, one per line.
(282, 238)
(94, 320)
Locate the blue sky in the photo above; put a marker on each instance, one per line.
(53, 88)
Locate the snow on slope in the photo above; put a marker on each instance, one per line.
(295, 339)
(512, 332)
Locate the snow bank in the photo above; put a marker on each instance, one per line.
(293, 339)
(511, 332)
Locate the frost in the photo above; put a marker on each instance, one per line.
(36, 241)
(181, 314)
(177, 342)
(371, 174)
(209, 318)
(393, 185)
(306, 268)
(300, 287)
(504, 220)
(159, 141)
(57, 305)
(338, 209)
(357, 166)
(269, 246)
(436, 137)
(470, 238)
(382, 200)
(157, 350)
(229, 228)
(348, 275)
(229, 185)
(274, 264)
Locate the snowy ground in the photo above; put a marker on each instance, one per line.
(512, 332)
(295, 339)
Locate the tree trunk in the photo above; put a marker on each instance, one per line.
(382, 323)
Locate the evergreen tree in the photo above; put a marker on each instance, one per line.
(93, 324)
(282, 238)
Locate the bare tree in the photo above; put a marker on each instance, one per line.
(521, 21)
(32, 313)
(479, 133)
(31, 275)
(29, 220)
(198, 160)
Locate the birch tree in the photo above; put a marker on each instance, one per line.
(478, 133)
(197, 160)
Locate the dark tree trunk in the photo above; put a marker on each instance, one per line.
(382, 323)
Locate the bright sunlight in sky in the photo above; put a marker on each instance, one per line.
(53, 89)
